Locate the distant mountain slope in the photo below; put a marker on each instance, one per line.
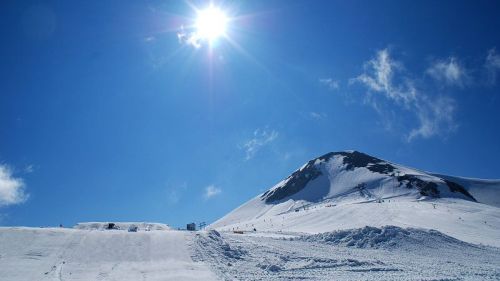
(484, 191)
(336, 191)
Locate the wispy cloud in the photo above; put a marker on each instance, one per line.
(175, 192)
(211, 191)
(492, 65)
(260, 139)
(436, 117)
(331, 83)
(29, 169)
(387, 78)
(317, 115)
(189, 38)
(449, 71)
(379, 75)
(12, 190)
(150, 39)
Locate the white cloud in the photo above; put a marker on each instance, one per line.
(330, 83)
(211, 191)
(379, 75)
(386, 77)
(449, 71)
(260, 139)
(11, 189)
(492, 65)
(317, 115)
(435, 117)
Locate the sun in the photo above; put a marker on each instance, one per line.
(211, 23)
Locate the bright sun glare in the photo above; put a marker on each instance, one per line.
(211, 23)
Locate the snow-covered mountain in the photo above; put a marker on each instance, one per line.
(350, 189)
(341, 173)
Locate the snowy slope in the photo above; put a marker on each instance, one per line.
(387, 253)
(484, 191)
(344, 190)
(75, 254)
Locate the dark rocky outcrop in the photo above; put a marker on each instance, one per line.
(426, 188)
(357, 159)
(455, 187)
(294, 183)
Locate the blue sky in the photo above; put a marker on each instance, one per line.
(108, 112)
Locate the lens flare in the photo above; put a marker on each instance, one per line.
(211, 23)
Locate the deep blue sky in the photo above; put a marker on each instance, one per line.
(106, 115)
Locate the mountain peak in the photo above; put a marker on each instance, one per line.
(367, 173)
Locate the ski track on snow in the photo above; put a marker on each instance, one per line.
(285, 258)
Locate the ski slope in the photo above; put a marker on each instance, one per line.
(368, 253)
(387, 253)
(28, 254)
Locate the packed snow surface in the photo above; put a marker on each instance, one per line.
(28, 254)
(386, 253)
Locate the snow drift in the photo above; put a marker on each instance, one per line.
(214, 243)
(386, 237)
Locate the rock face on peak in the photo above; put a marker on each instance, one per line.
(355, 162)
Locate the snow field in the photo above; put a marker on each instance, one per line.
(388, 253)
(72, 254)
(465, 220)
